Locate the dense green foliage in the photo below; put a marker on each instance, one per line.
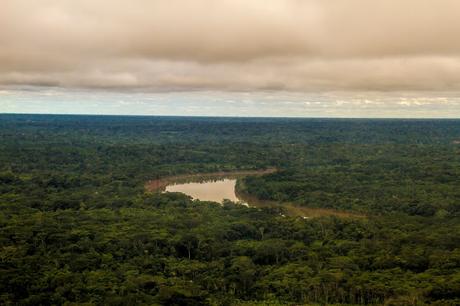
(77, 226)
(413, 179)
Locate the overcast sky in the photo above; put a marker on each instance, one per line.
(332, 58)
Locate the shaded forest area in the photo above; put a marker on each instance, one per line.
(77, 226)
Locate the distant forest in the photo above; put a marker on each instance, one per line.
(77, 226)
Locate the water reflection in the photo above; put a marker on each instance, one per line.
(216, 190)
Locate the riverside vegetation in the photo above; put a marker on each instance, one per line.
(78, 227)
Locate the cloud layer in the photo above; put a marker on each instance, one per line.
(209, 103)
(232, 45)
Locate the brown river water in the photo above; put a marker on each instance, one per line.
(219, 186)
(216, 190)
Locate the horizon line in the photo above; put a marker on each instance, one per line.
(236, 117)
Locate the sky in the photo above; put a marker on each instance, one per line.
(296, 58)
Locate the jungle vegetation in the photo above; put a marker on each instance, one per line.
(77, 226)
